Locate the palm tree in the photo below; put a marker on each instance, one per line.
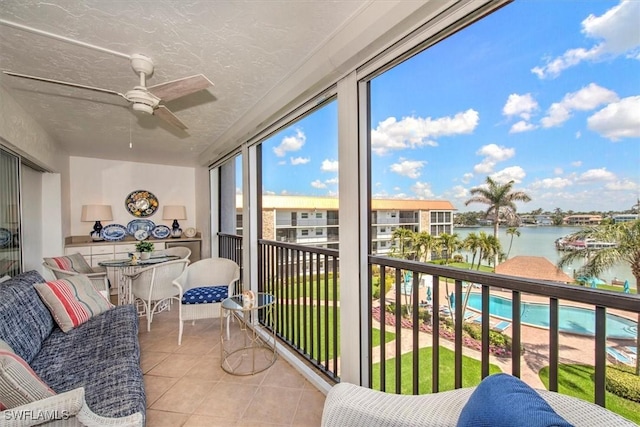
(626, 235)
(424, 243)
(402, 243)
(501, 199)
(472, 243)
(450, 243)
(512, 231)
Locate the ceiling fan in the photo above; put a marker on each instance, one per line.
(149, 100)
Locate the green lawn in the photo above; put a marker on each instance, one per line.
(471, 370)
(316, 336)
(577, 381)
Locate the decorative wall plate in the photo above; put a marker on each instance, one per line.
(141, 203)
(5, 237)
(141, 234)
(140, 224)
(161, 232)
(113, 232)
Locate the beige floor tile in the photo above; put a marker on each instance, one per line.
(309, 411)
(276, 404)
(185, 396)
(176, 365)
(150, 359)
(206, 421)
(227, 400)
(165, 419)
(155, 387)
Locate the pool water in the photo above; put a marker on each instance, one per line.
(575, 320)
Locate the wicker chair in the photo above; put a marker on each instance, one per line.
(181, 251)
(203, 286)
(153, 285)
(75, 264)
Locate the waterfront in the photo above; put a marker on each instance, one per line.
(540, 241)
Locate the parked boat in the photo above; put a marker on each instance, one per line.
(567, 243)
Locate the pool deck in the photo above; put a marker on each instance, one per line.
(573, 348)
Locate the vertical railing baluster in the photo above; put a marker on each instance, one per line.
(554, 344)
(486, 342)
(600, 355)
(435, 335)
(458, 334)
(516, 328)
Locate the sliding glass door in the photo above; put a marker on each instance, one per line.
(10, 256)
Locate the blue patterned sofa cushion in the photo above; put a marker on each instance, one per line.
(101, 355)
(205, 294)
(24, 319)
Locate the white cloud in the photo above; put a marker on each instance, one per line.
(596, 175)
(329, 165)
(299, 160)
(577, 163)
(290, 143)
(587, 98)
(558, 171)
(617, 31)
(408, 168)
(522, 126)
(520, 105)
(460, 192)
(618, 120)
(412, 132)
(512, 173)
(493, 154)
(556, 183)
(467, 177)
(318, 184)
(422, 190)
(331, 181)
(624, 185)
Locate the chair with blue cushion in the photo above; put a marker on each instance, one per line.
(203, 286)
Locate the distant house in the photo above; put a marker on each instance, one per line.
(533, 267)
(583, 219)
(625, 218)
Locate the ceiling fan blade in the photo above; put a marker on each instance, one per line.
(165, 114)
(177, 88)
(60, 82)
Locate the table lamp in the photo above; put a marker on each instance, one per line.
(175, 213)
(96, 213)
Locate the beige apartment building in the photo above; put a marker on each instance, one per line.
(315, 220)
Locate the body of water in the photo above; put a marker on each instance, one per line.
(540, 241)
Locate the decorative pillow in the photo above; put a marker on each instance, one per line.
(205, 295)
(5, 278)
(5, 347)
(19, 385)
(502, 400)
(74, 262)
(72, 301)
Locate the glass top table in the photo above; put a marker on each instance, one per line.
(247, 352)
(121, 268)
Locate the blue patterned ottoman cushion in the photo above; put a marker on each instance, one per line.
(24, 319)
(101, 355)
(205, 294)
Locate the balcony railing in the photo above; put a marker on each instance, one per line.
(600, 301)
(305, 281)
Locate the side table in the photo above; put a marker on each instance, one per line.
(247, 353)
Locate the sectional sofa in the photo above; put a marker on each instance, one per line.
(91, 373)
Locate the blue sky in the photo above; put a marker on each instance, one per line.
(545, 93)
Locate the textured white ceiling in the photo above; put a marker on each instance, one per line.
(246, 48)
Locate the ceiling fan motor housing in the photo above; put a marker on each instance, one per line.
(142, 100)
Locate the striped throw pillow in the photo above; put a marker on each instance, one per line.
(72, 301)
(73, 262)
(19, 385)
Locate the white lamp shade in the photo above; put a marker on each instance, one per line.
(96, 213)
(174, 212)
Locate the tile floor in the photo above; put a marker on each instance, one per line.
(185, 385)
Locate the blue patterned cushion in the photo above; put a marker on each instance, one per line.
(24, 319)
(205, 294)
(502, 400)
(101, 355)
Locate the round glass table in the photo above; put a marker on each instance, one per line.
(246, 352)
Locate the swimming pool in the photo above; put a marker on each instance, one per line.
(575, 320)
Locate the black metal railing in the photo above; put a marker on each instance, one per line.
(304, 281)
(230, 247)
(599, 300)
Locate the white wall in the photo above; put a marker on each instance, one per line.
(31, 190)
(109, 182)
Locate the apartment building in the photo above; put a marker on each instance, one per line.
(314, 221)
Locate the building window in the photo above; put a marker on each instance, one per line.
(319, 232)
(319, 215)
(304, 232)
(304, 215)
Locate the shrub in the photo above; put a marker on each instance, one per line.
(622, 381)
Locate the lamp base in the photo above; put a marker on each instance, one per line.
(96, 236)
(176, 231)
